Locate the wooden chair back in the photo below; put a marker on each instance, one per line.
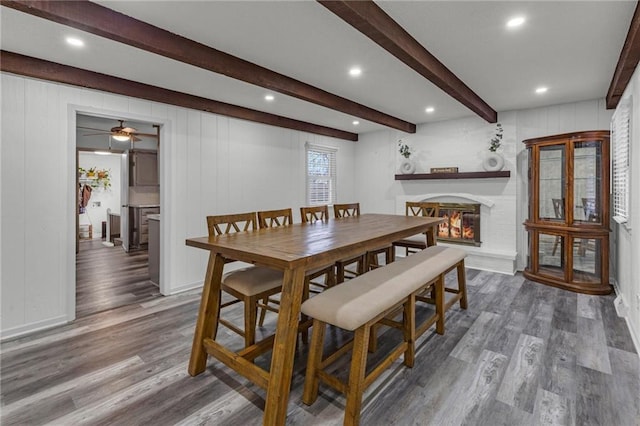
(314, 213)
(558, 207)
(275, 218)
(589, 206)
(346, 210)
(230, 223)
(420, 208)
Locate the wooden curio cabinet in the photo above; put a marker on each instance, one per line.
(568, 225)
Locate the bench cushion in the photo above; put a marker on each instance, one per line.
(359, 300)
(253, 280)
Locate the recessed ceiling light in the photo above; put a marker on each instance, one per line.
(515, 22)
(75, 42)
(269, 97)
(430, 109)
(355, 122)
(355, 72)
(541, 90)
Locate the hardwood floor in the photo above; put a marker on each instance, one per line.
(522, 354)
(108, 278)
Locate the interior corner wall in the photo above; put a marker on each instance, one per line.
(210, 164)
(626, 237)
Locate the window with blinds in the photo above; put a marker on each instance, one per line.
(321, 175)
(620, 137)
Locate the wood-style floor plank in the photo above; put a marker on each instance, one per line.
(522, 354)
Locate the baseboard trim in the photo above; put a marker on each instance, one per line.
(622, 309)
(23, 330)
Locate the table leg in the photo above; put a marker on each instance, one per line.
(207, 323)
(431, 236)
(275, 410)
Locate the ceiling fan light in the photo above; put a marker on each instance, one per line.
(121, 138)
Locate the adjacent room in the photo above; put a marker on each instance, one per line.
(320, 212)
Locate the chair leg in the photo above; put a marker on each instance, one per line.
(339, 273)
(555, 246)
(363, 264)
(331, 277)
(303, 317)
(263, 311)
(313, 363)
(390, 255)
(462, 284)
(438, 289)
(250, 320)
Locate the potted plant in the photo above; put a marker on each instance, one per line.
(407, 166)
(494, 162)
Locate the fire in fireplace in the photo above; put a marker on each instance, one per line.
(462, 225)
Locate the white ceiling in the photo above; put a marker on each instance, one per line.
(571, 47)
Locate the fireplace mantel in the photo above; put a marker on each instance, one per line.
(463, 175)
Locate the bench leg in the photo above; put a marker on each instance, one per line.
(313, 363)
(409, 330)
(438, 289)
(373, 338)
(356, 387)
(462, 284)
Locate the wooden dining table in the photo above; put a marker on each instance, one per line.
(294, 249)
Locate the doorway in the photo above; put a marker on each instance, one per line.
(109, 272)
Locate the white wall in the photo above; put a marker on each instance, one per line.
(210, 164)
(109, 198)
(213, 164)
(463, 143)
(626, 267)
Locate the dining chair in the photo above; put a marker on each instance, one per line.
(274, 218)
(342, 272)
(252, 285)
(364, 262)
(415, 243)
(314, 213)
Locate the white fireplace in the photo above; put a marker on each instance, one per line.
(495, 249)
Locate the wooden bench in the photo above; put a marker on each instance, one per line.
(358, 304)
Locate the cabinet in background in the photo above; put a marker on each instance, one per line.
(143, 168)
(568, 222)
(139, 226)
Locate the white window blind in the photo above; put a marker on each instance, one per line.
(321, 175)
(620, 137)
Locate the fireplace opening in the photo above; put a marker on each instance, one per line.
(462, 224)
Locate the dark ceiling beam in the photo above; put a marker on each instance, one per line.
(372, 21)
(99, 20)
(37, 68)
(629, 58)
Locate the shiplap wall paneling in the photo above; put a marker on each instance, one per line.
(13, 202)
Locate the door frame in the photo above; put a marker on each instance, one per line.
(164, 130)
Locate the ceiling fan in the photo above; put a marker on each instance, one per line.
(120, 133)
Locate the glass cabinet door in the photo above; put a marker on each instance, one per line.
(587, 259)
(551, 183)
(551, 255)
(587, 182)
